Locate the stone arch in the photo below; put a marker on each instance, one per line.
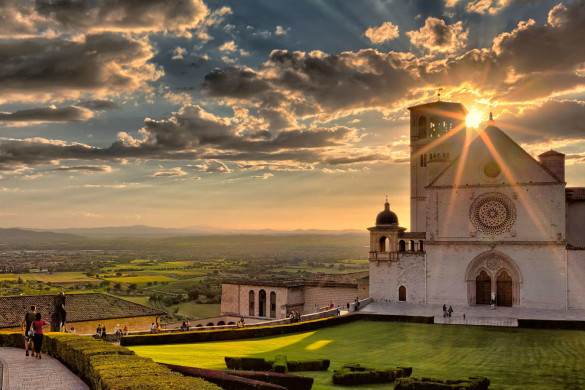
(231, 323)
(401, 246)
(411, 246)
(402, 294)
(210, 324)
(262, 303)
(383, 244)
(251, 305)
(220, 323)
(493, 263)
(420, 246)
(272, 304)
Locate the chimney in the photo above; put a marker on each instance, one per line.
(555, 162)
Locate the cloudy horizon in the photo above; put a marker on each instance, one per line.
(264, 114)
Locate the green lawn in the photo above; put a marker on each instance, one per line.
(511, 358)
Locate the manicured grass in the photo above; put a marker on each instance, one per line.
(511, 358)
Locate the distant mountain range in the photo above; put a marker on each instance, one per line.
(73, 235)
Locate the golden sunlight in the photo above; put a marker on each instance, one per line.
(474, 118)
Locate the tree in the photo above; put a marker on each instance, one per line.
(133, 287)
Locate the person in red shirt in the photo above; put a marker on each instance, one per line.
(38, 324)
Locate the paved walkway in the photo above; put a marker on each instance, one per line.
(474, 315)
(26, 373)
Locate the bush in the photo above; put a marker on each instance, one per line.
(247, 364)
(308, 365)
(291, 382)
(229, 380)
(106, 366)
(473, 383)
(279, 365)
(354, 375)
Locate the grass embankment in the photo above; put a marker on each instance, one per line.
(513, 359)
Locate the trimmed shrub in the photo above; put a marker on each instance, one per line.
(354, 375)
(247, 364)
(107, 367)
(473, 383)
(308, 365)
(291, 382)
(279, 365)
(227, 380)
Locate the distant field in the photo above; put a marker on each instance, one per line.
(513, 359)
(141, 279)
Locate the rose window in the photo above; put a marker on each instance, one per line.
(492, 213)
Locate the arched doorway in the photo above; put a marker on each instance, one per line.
(402, 294)
(272, 304)
(251, 303)
(401, 246)
(483, 289)
(383, 242)
(504, 289)
(493, 272)
(262, 303)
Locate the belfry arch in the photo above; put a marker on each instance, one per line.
(502, 272)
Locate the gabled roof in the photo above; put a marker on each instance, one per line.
(494, 144)
(80, 307)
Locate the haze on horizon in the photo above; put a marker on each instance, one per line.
(264, 114)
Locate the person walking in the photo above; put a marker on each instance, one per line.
(38, 324)
(59, 303)
(450, 310)
(25, 325)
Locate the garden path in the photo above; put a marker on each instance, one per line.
(22, 372)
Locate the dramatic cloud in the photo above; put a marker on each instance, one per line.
(33, 68)
(84, 169)
(383, 33)
(48, 114)
(437, 36)
(552, 121)
(32, 17)
(173, 172)
(99, 105)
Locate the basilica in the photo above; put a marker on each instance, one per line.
(489, 223)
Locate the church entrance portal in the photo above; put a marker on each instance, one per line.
(504, 294)
(483, 289)
(493, 273)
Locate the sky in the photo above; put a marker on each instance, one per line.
(264, 113)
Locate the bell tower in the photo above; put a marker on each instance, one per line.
(437, 137)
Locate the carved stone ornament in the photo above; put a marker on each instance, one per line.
(493, 263)
(492, 213)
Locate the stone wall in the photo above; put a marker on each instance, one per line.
(318, 297)
(235, 300)
(576, 279)
(540, 213)
(386, 277)
(541, 268)
(576, 224)
(135, 324)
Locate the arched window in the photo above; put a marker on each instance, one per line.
(272, 304)
(412, 245)
(251, 303)
(262, 303)
(420, 246)
(209, 324)
(231, 323)
(383, 244)
(220, 323)
(402, 294)
(401, 246)
(198, 326)
(422, 127)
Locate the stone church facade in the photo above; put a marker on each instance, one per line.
(488, 222)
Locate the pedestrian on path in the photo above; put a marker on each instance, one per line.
(444, 310)
(38, 324)
(25, 326)
(450, 310)
(59, 303)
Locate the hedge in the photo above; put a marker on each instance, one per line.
(236, 380)
(279, 365)
(261, 331)
(105, 366)
(260, 364)
(552, 324)
(355, 375)
(473, 383)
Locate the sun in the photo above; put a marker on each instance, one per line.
(474, 118)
